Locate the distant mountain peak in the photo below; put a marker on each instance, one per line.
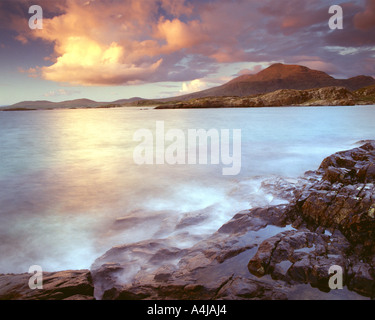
(284, 71)
(281, 76)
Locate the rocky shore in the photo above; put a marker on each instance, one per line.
(328, 96)
(277, 252)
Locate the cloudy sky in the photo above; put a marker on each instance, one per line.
(114, 49)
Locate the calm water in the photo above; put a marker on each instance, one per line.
(70, 190)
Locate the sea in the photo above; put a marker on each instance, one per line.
(70, 188)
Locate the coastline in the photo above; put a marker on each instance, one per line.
(262, 253)
(327, 96)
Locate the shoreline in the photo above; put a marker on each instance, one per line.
(326, 96)
(329, 220)
(187, 107)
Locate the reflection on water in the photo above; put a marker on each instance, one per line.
(70, 189)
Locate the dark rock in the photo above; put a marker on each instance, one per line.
(341, 200)
(63, 285)
(241, 288)
(362, 279)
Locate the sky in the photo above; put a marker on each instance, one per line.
(107, 50)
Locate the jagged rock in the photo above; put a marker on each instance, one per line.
(341, 199)
(299, 256)
(362, 278)
(344, 198)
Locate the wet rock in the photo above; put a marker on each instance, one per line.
(241, 288)
(198, 272)
(122, 264)
(63, 285)
(361, 278)
(359, 162)
(192, 218)
(299, 257)
(339, 197)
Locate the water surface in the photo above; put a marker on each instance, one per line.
(70, 190)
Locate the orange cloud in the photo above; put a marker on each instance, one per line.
(180, 35)
(86, 62)
(91, 49)
(98, 44)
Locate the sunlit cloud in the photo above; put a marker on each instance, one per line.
(110, 42)
(193, 86)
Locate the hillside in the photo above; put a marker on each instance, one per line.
(72, 104)
(328, 96)
(44, 104)
(279, 76)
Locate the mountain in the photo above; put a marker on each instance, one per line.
(44, 104)
(276, 77)
(122, 101)
(78, 103)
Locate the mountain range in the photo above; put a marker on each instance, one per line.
(276, 77)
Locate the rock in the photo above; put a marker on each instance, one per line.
(344, 198)
(299, 257)
(241, 288)
(362, 279)
(122, 264)
(193, 218)
(198, 272)
(63, 285)
(340, 197)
